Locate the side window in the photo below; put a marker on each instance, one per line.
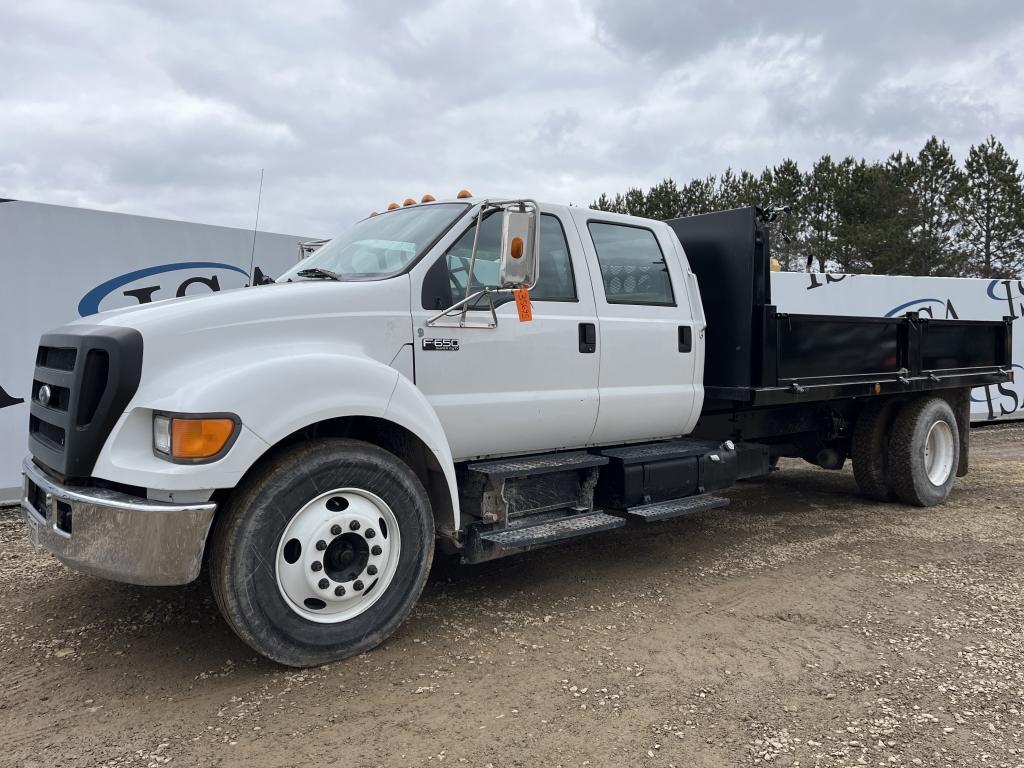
(485, 269)
(633, 267)
(556, 281)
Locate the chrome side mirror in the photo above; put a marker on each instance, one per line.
(518, 263)
(520, 225)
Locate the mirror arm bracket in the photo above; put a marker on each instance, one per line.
(444, 319)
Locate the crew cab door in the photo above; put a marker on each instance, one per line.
(522, 386)
(650, 384)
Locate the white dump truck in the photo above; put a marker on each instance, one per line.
(484, 376)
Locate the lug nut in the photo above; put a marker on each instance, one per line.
(370, 533)
(339, 591)
(358, 585)
(376, 550)
(354, 525)
(321, 545)
(317, 565)
(335, 530)
(372, 570)
(324, 584)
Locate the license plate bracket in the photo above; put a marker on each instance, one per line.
(33, 530)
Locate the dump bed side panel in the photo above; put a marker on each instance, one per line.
(756, 356)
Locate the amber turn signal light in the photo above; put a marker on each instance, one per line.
(192, 438)
(199, 438)
(517, 248)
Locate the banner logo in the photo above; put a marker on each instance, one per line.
(90, 302)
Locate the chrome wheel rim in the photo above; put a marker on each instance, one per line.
(338, 555)
(938, 453)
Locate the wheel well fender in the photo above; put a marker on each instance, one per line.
(308, 391)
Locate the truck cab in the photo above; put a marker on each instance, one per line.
(483, 375)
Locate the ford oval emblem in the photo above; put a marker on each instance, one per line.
(44, 395)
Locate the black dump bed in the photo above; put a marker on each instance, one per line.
(758, 356)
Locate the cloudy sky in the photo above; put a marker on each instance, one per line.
(171, 108)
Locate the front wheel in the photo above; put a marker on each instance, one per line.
(323, 553)
(924, 451)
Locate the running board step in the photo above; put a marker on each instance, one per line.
(667, 510)
(540, 464)
(506, 541)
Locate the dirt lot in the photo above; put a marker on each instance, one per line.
(801, 626)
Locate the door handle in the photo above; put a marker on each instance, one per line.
(685, 338)
(588, 338)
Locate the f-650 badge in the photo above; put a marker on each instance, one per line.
(441, 345)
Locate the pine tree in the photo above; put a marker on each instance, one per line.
(698, 197)
(936, 187)
(992, 224)
(786, 187)
(664, 201)
(635, 202)
(875, 216)
(821, 187)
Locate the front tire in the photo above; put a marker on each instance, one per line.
(924, 450)
(323, 552)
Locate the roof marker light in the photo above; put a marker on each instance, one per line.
(392, 206)
(463, 194)
(427, 199)
(372, 214)
(409, 201)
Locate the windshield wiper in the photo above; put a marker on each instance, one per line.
(319, 272)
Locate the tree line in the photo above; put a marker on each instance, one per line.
(911, 215)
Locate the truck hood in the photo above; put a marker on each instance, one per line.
(369, 318)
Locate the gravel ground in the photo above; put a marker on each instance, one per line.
(801, 626)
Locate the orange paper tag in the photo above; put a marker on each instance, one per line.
(523, 304)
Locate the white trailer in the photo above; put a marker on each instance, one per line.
(61, 263)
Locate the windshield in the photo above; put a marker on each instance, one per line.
(379, 246)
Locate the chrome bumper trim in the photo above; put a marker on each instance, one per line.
(114, 535)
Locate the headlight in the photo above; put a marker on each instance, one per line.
(193, 438)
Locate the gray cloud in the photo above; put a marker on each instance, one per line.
(171, 109)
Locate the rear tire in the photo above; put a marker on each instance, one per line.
(924, 451)
(869, 449)
(321, 553)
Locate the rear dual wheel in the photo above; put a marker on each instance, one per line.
(909, 452)
(323, 552)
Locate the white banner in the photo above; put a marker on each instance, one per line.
(938, 297)
(60, 263)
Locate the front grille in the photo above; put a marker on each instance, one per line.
(53, 434)
(58, 358)
(60, 397)
(92, 373)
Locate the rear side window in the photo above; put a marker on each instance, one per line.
(633, 267)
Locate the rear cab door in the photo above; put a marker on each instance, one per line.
(650, 328)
